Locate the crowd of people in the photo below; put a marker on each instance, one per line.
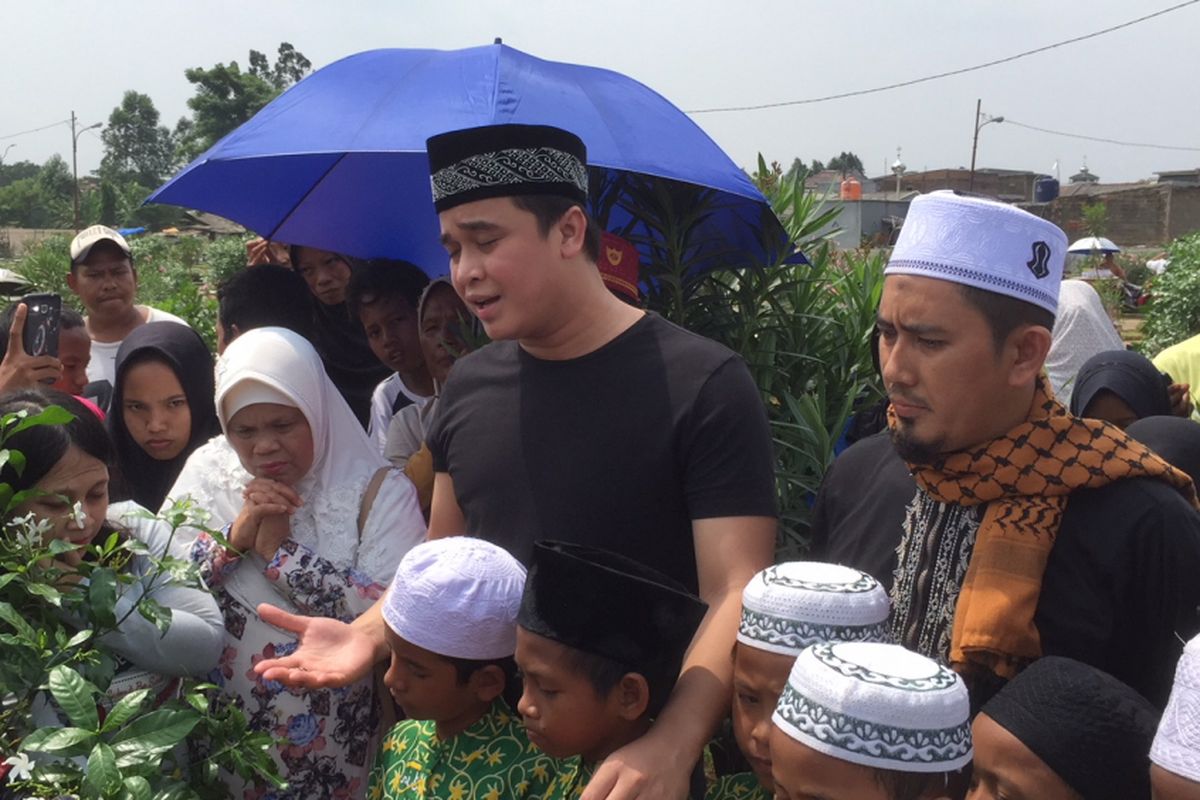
(543, 567)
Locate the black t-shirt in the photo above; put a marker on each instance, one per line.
(621, 448)
(1121, 589)
(860, 507)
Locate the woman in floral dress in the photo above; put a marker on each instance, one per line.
(322, 525)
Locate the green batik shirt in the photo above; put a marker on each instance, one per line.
(572, 778)
(490, 760)
(742, 786)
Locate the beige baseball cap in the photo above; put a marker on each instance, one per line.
(88, 238)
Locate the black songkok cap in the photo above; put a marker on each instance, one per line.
(1092, 730)
(506, 160)
(609, 605)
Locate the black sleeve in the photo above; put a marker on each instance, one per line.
(729, 463)
(824, 511)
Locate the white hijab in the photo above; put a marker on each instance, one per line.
(1082, 328)
(344, 460)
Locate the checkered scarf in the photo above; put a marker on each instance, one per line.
(1025, 477)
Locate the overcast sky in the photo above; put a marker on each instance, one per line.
(1136, 84)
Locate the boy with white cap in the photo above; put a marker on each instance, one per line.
(786, 608)
(451, 628)
(869, 721)
(1175, 754)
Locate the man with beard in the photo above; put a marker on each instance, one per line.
(1030, 532)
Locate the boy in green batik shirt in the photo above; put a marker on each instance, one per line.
(786, 608)
(451, 627)
(600, 642)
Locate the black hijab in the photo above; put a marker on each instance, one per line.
(1129, 375)
(1176, 439)
(145, 479)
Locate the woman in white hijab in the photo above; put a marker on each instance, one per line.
(1082, 328)
(320, 528)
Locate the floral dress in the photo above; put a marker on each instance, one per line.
(329, 736)
(742, 786)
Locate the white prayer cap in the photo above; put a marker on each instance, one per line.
(457, 597)
(878, 705)
(982, 243)
(791, 606)
(1176, 746)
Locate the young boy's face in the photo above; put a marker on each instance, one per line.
(1004, 767)
(426, 685)
(390, 323)
(758, 680)
(801, 773)
(563, 715)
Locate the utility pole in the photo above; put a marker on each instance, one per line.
(74, 162)
(979, 123)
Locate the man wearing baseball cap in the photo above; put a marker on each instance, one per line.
(103, 277)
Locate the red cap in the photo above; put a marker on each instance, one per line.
(619, 265)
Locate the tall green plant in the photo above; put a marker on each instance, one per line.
(803, 329)
(1174, 309)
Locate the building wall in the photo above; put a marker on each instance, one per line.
(1150, 215)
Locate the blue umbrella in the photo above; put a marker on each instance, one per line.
(338, 161)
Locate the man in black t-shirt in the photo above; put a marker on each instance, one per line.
(588, 420)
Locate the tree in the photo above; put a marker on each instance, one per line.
(136, 147)
(16, 171)
(40, 201)
(846, 162)
(226, 96)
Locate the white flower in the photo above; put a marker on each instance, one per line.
(77, 515)
(22, 766)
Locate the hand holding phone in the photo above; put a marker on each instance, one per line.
(19, 369)
(40, 334)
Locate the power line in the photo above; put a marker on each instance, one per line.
(948, 74)
(35, 130)
(1010, 121)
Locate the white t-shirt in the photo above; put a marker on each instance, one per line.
(103, 366)
(383, 400)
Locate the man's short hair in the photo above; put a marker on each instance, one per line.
(1005, 314)
(549, 209)
(385, 277)
(269, 295)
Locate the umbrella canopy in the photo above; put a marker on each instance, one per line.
(338, 161)
(1094, 244)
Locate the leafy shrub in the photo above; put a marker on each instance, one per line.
(1174, 309)
(50, 623)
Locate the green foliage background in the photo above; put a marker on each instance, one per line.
(1174, 310)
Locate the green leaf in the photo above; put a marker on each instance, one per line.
(8, 577)
(75, 696)
(54, 740)
(52, 415)
(155, 612)
(78, 639)
(152, 735)
(124, 710)
(102, 597)
(9, 615)
(47, 592)
(102, 775)
(137, 788)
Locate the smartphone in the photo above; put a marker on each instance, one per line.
(41, 324)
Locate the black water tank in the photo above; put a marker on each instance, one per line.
(1045, 189)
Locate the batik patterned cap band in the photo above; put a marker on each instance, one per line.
(504, 161)
(791, 606)
(984, 244)
(457, 597)
(1176, 746)
(878, 705)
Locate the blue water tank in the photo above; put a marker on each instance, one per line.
(1045, 189)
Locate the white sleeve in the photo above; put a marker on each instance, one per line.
(192, 644)
(405, 435)
(394, 526)
(381, 414)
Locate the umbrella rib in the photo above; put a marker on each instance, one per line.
(283, 220)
